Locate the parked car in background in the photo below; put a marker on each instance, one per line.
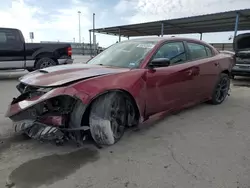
(242, 53)
(16, 54)
(120, 87)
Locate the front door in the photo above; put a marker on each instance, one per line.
(11, 49)
(170, 88)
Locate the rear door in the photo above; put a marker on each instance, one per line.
(203, 58)
(11, 49)
(170, 87)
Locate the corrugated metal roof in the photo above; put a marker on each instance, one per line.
(217, 22)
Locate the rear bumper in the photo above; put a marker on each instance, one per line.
(65, 61)
(241, 70)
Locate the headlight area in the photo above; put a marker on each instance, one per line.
(49, 119)
(29, 92)
(24, 88)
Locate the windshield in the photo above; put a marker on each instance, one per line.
(127, 54)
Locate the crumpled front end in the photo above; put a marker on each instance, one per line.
(40, 131)
(47, 113)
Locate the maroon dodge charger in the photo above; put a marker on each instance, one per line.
(119, 88)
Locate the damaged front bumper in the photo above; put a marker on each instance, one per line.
(38, 130)
(47, 114)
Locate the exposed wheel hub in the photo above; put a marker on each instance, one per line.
(117, 118)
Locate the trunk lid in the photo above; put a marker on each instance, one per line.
(241, 45)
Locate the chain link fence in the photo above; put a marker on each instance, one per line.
(223, 46)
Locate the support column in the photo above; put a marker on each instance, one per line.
(200, 36)
(162, 29)
(94, 42)
(119, 35)
(236, 24)
(90, 41)
(128, 37)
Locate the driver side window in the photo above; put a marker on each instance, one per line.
(174, 51)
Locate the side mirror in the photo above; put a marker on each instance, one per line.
(159, 62)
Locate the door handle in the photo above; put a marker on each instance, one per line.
(216, 63)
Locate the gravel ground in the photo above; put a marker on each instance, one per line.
(202, 147)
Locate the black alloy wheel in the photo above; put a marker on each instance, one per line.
(221, 89)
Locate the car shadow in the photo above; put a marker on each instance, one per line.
(51, 168)
(60, 162)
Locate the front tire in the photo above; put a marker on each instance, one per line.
(108, 118)
(221, 89)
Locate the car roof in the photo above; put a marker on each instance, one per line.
(163, 39)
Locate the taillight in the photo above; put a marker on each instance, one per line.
(69, 51)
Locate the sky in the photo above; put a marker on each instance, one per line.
(58, 20)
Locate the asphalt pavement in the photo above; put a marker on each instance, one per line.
(202, 147)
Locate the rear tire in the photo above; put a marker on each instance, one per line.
(221, 89)
(45, 62)
(108, 118)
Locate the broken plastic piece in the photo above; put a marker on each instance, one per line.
(102, 131)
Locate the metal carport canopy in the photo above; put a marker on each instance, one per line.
(217, 22)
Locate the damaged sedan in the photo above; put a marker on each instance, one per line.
(119, 88)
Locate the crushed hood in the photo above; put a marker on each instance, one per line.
(63, 74)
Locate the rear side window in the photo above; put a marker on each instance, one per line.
(197, 51)
(9, 36)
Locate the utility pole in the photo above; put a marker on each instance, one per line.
(79, 14)
(94, 33)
